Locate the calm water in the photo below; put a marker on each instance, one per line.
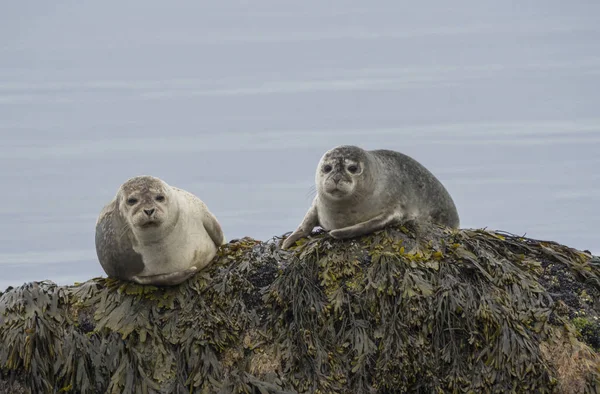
(237, 101)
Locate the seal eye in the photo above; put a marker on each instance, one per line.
(352, 168)
(327, 168)
(160, 198)
(132, 201)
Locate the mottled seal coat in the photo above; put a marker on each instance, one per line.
(361, 191)
(153, 233)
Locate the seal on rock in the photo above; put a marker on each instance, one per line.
(153, 233)
(359, 192)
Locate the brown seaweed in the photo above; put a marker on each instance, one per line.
(395, 311)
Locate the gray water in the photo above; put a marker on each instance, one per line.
(236, 102)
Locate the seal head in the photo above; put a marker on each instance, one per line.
(343, 174)
(148, 206)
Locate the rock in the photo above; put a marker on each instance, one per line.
(395, 311)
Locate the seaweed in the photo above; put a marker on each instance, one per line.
(400, 310)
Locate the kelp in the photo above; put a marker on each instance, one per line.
(110, 336)
(401, 310)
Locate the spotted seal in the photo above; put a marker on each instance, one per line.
(361, 191)
(153, 233)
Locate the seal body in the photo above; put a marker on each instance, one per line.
(153, 233)
(361, 191)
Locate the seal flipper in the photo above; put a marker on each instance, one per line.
(113, 246)
(170, 279)
(311, 219)
(213, 228)
(371, 225)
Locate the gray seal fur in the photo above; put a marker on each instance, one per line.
(359, 192)
(153, 233)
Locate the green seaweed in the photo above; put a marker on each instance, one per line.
(462, 312)
(396, 311)
(589, 329)
(111, 336)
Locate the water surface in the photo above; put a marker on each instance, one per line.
(236, 102)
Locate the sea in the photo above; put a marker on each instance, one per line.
(236, 101)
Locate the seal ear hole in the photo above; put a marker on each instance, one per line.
(327, 168)
(160, 198)
(132, 201)
(353, 168)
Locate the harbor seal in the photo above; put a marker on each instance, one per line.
(361, 191)
(153, 233)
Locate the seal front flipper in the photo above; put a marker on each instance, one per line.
(209, 221)
(311, 219)
(363, 228)
(291, 240)
(213, 228)
(170, 279)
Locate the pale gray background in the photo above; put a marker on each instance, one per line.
(236, 101)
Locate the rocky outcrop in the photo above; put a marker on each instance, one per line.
(441, 311)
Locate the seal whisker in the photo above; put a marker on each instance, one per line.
(312, 192)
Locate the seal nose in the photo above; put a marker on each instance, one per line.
(149, 212)
(337, 178)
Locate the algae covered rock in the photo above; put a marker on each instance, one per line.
(395, 311)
